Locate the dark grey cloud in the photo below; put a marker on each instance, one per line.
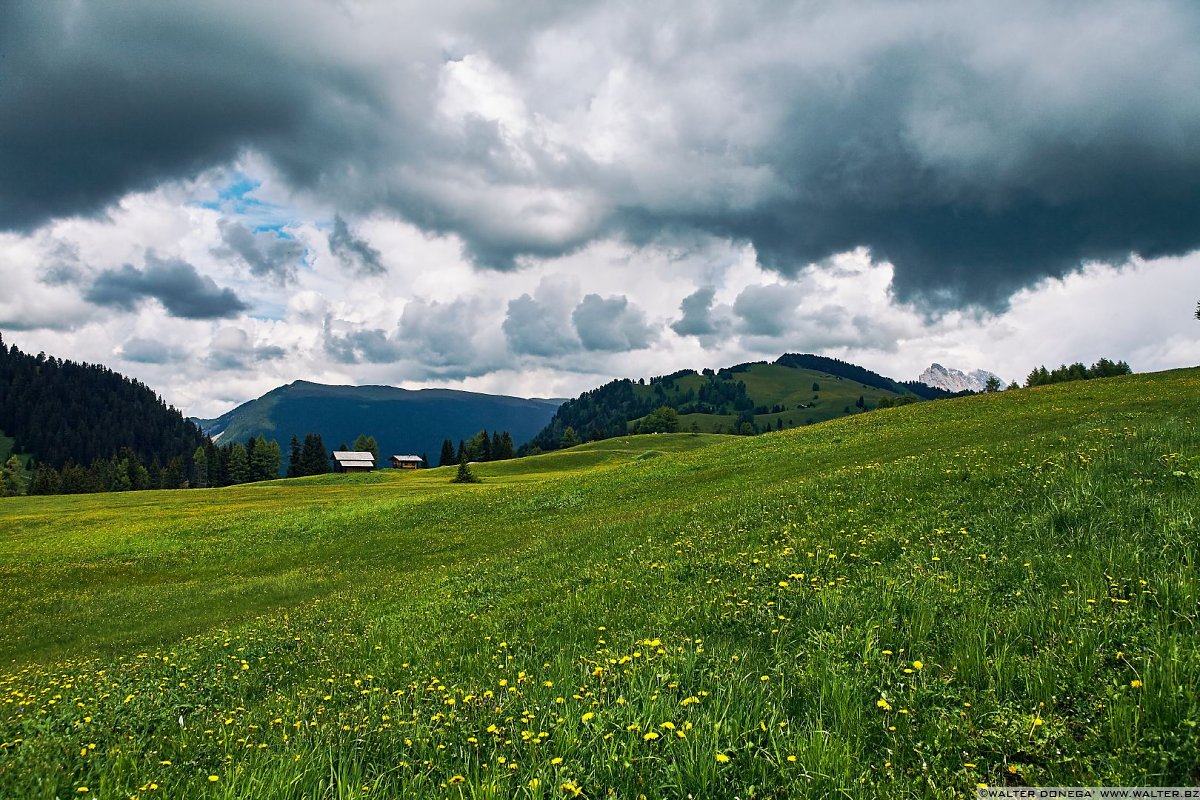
(698, 318)
(150, 351)
(353, 251)
(540, 325)
(267, 253)
(370, 345)
(767, 310)
(611, 324)
(978, 146)
(182, 291)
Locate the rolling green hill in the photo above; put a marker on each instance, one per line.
(999, 589)
(402, 420)
(795, 390)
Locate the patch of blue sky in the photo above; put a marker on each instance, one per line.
(236, 200)
(271, 310)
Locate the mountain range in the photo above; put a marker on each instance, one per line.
(955, 380)
(403, 421)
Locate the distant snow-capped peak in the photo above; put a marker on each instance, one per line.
(955, 380)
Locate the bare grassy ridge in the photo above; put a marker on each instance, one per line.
(1000, 589)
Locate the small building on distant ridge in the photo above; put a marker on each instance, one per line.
(406, 462)
(353, 461)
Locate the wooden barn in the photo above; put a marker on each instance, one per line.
(353, 461)
(406, 462)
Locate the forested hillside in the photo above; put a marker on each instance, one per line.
(63, 412)
(747, 398)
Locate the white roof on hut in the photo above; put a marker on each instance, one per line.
(406, 458)
(353, 458)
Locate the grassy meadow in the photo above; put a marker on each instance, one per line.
(908, 603)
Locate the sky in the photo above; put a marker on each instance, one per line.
(221, 197)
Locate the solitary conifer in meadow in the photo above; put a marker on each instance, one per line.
(465, 475)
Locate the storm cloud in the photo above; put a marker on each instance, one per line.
(182, 291)
(268, 254)
(698, 317)
(979, 147)
(611, 324)
(353, 251)
(540, 325)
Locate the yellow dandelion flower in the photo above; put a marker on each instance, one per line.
(918, 665)
(722, 758)
(213, 778)
(555, 761)
(588, 717)
(1136, 684)
(534, 783)
(457, 779)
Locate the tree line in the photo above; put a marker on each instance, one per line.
(1077, 372)
(498, 446)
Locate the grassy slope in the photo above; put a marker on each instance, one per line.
(772, 384)
(1035, 551)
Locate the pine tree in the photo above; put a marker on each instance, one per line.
(506, 446)
(13, 480)
(293, 469)
(200, 468)
(569, 439)
(45, 481)
(447, 456)
(424, 461)
(465, 475)
(239, 463)
(314, 459)
(367, 444)
(172, 476)
(264, 459)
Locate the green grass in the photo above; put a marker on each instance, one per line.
(758, 604)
